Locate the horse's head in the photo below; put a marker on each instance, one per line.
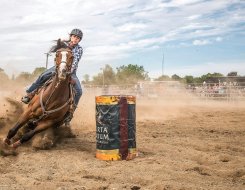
(63, 60)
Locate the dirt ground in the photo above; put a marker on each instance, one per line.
(180, 145)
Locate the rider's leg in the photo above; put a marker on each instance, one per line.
(35, 84)
(78, 89)
(78, 95)
(28, 97)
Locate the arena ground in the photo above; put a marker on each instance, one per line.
(181, 145)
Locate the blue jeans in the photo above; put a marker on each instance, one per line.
(35, 84)
(77, 84)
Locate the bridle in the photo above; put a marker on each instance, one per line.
(63, 60)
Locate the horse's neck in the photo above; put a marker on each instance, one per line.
(59, 86)
(57, 93)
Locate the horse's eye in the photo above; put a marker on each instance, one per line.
(56, 55)
(72, 57)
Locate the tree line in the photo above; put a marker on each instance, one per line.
(23, 76)
(130, 74)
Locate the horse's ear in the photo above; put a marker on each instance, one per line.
(58, 42)
(71, 45)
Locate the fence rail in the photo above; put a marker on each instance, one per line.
(228, 92)
(210, 91)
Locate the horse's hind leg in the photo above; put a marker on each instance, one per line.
(21, 121)
(41, 127)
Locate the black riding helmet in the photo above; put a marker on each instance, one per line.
(77, 32)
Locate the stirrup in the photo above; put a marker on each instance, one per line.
(26, 99)
(67, 124)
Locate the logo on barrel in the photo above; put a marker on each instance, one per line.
(102, 134)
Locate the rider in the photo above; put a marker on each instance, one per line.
(76, 36)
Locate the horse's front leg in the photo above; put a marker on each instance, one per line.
(41, 127)
(24, 118)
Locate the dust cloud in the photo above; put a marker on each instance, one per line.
(182, 143)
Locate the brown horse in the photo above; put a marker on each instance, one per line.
(52, 102)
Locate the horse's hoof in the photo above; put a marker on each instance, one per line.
(16, 144)
(6, 141)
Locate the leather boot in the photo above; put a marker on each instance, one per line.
(27, 98)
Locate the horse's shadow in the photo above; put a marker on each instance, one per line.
(82, 142)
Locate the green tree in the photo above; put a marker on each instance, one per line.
(232, 73)
(176, 77)
(98, 79)
(217, 75)
(203, 77)
(3, 76)
(131, 74)
(107, 75)
(23, 76)
(86, 79)
(183, 80)
(163, 78)
(38, 71)
(189, 79)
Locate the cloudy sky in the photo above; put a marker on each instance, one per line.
(194, 36)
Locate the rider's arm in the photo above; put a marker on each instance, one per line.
(77, 56)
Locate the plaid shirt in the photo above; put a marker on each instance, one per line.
(77, 52)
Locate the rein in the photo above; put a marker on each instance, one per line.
(55, 110)
(52, 93)
(51, 111)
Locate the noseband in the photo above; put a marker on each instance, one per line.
(63, 59)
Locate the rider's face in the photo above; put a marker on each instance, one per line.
(75, 39)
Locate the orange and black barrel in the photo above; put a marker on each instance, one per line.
(115, 127)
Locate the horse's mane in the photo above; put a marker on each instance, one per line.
(56, 47)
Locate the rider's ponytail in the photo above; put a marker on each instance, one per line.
(67, 40)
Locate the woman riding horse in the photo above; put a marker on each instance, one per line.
(52, 101)
(76, 36)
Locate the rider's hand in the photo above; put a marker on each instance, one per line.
(71, 70)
